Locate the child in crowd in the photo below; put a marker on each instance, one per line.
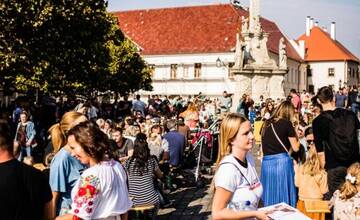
(346, 200)
(311, 179)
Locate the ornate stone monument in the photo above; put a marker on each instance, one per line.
(255, 72)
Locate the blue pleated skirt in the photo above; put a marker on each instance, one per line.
(277, 178)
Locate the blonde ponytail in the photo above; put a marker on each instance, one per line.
(57, 137)
(58, 131)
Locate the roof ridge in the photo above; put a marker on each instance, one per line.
(338, 50)
(173, 7)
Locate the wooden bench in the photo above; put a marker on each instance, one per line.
(318, 207)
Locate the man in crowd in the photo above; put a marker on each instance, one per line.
(335, 136)
(177, 143)
(24, 191)
(353, 100)
(225, 103)
(341, 98)
(139, 105)
(122, 148)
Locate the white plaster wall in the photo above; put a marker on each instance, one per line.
(320, 76)
(187, 61)
(213, 80)
(212, 88)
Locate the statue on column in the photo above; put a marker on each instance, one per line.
(239, 52)
(282, 54)
(244, 24)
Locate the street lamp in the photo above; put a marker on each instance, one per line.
(220, 63)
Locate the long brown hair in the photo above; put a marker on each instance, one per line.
(349, 189)
(92, 140)
(285, 111)
(59, 130)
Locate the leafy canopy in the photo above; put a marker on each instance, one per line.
(67, 47)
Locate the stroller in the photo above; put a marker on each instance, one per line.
(205, 148)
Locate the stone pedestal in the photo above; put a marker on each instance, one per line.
(256, 82)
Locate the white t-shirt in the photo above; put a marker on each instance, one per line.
(242, 182)
(101, 192)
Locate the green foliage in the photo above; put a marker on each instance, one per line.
(67, 46)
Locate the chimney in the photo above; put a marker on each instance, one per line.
(316, 24)
(333, 31)
(311, 23)
(307, 26)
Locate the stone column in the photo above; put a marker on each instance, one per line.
(243, 85)
(261, 86)
(253, 14)
(276, 85)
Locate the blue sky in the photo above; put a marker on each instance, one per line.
(289, 15)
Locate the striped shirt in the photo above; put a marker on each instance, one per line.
(141, 187)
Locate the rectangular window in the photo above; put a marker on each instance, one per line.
(173, 69)
(230, 74)
(185, 72)
(197, 70)
(331, 71)
(152, 70)
(308, 71)
(311, 88)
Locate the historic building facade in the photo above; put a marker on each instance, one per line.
(193, 49)
(327, 61)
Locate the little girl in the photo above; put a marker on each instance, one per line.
(311, 180)
(346, 200)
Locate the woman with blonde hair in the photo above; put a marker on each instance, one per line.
(237, 186)
(277, 170)
(310, 178)
(346, 200)
(64, 169)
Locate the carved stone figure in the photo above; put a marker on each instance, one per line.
(257, 28)
(244, 24)
(282, 54)
(239, 52)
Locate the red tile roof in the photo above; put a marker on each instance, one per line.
(320, 46)
(195, 29)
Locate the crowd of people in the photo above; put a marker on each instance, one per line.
(102, 159)
(309, 152)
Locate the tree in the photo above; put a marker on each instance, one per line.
(67, 47)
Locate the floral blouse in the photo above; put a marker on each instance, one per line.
(346, 209)
(101, 192)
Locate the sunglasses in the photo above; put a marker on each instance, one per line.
(310, 142)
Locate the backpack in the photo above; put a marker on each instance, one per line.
(342, 140)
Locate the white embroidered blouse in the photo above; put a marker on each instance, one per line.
(101, 192)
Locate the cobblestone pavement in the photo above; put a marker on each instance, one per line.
(193, 203)
(188, 203)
